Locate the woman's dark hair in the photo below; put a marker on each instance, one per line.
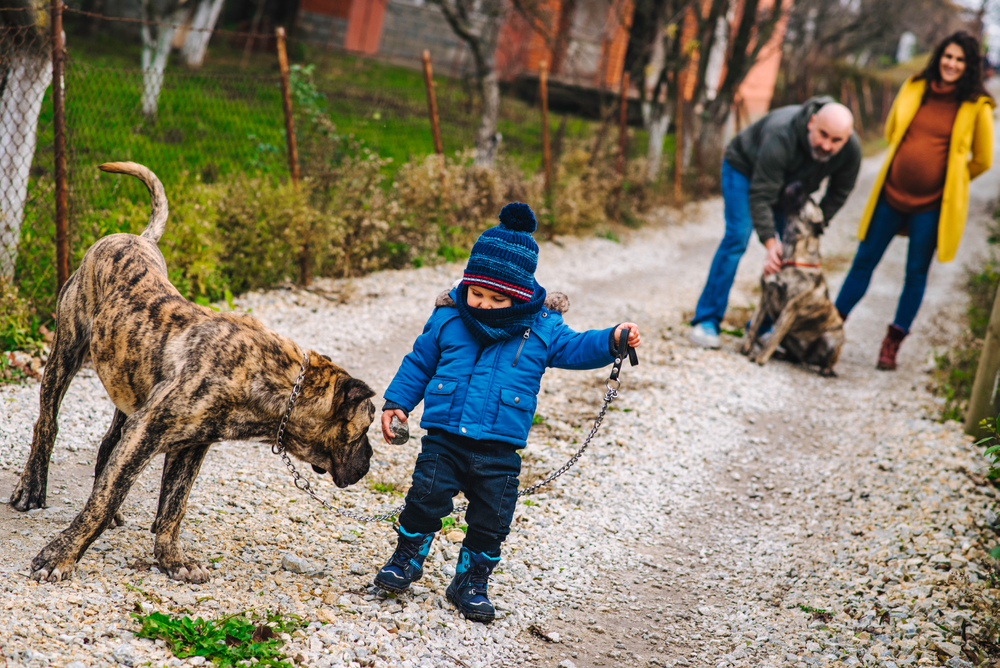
(969, 87)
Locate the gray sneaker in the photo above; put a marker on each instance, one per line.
(704, 334)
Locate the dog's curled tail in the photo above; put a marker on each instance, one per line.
(158, 207)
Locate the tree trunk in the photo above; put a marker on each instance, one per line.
(27, 77)
(656, 117)
(487, 137)
(196, 44)
(154, 57)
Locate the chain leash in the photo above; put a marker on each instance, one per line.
(302, 483)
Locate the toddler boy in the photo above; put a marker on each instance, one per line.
(478, 366)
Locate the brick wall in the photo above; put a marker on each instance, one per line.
(315, 27)
(410, 28)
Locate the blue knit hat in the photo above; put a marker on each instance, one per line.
(504, 257)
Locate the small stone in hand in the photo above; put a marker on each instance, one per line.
(400, 432)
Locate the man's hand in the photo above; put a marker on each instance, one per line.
(772, 264)
(633, 337)
(387, 419)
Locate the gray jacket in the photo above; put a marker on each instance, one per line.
(774, 152)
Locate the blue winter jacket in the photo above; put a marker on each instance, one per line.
(489, 393)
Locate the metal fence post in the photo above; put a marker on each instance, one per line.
(543, 92)
(980, 401)
(59, 127)
(432, 107)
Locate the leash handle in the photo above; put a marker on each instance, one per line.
(624, 350)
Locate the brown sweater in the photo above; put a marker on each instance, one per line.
(916, 178)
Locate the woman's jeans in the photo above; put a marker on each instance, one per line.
(739, 225)
(885, 223)
(486, 471)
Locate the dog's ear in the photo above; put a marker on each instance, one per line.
(356, 391)
(326, 357)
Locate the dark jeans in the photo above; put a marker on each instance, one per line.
(485, 471)
(885, 223)
(739, 226)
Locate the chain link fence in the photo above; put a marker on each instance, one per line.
(26, 157)
(214, 124)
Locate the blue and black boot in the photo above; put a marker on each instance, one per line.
(467, 590)
(407, 563)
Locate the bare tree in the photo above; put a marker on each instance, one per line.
(160, 20)
(708, 47)
(25, 74)
(203, 21)
(479, 30)
(863, 32)
(749, 34)
(478, 24)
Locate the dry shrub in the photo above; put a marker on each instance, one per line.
(443, 204)
(264, 225)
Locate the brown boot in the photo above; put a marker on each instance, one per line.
(890, 347)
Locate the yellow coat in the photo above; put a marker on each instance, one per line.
(973, 130)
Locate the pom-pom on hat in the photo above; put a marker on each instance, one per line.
(504, 257)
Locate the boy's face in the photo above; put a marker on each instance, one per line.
(480, 297)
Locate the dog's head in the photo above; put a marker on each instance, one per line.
(328, 427)
(799, 207)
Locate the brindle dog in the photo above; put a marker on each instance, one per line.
(182, 377)
(806, 322)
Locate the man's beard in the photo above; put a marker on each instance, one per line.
(819, 155)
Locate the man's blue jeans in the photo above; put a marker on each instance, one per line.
(739, 226)
(885, 223)
(486, 471)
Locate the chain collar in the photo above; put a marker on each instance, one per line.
(279, 447)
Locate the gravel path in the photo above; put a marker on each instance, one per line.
(719, 499)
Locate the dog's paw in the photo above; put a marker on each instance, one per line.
(52, 565)
(188, 571)
(828, 372)
(25, 498)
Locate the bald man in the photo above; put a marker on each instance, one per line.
(802, 143)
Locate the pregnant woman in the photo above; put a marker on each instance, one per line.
(940, 133)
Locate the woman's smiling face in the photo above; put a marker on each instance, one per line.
(952, 63)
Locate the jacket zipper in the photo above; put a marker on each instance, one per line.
(527, 333)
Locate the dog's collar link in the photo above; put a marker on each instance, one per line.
(279, 446)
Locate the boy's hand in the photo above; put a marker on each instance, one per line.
(634, 339)
(387, 418)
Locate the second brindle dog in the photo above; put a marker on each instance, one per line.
(806, 323)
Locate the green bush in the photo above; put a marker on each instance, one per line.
(19, 326)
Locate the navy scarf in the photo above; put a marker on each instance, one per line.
(498, 324)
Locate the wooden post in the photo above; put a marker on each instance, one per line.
(543, 93)
(293, 153)
(679, 148)
(981, 399)
(623, 125)
(432, 106)
(254, 26)
(286, 101)
(59, 128)
(886, 104)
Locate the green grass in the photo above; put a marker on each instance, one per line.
(222, 119)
